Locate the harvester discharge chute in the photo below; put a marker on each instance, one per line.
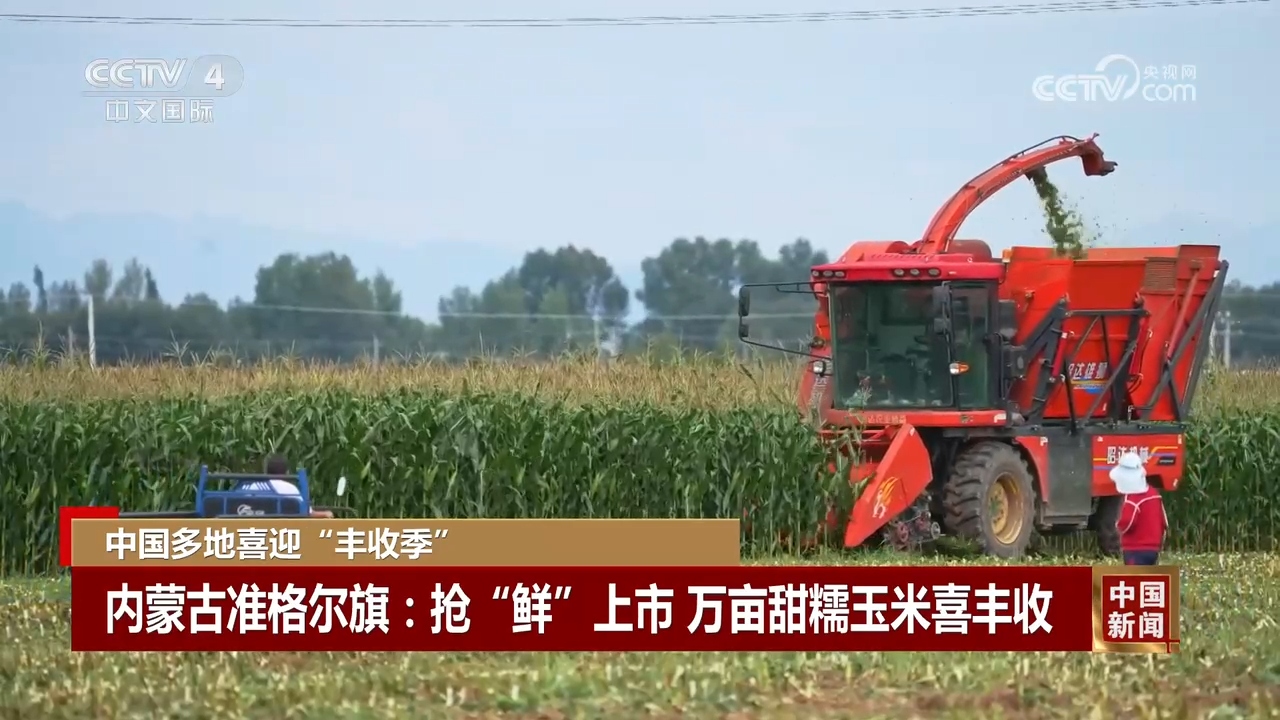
(987, 398)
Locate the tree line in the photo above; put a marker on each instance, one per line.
(321, 307)
(567, 299)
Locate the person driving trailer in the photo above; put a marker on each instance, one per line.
(278, 467)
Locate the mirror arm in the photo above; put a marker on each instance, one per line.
(788, 351)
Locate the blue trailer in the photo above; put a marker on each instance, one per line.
(245, 495)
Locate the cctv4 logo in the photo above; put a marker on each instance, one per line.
(143, 74)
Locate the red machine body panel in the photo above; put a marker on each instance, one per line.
(1163, 455)
(1169, 284)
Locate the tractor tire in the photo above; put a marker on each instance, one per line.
(1103, 523)
(990, 499)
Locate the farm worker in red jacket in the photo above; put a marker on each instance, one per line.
(1142, 522)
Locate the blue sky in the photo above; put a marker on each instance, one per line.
(442, 155)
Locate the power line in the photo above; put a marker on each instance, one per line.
(171, 341)
(1230, 298)
(318, 309)
(476, 315)
(998, 10)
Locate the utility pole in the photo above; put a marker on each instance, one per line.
(376, 350)
(93, 337)
(1213, 341)
(1226, 339)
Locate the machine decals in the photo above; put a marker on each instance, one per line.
(1162, 454)
(882, 418)
(883, 495)
(1090, 377)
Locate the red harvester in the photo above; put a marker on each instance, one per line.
(988, 398)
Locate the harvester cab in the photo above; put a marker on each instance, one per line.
(242, 495)
(987, 398)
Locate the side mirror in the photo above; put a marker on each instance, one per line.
(941, 297)
(744, 304)
(742, 330)
(342, 486)
(1007, 320)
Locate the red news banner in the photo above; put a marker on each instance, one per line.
(330, 598)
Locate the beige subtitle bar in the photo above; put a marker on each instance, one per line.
(404, 542)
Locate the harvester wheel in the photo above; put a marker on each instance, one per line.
(990, 499)
(1103, 522)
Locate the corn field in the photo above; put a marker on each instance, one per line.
(578, 438)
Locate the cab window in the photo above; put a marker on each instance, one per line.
(971, 309)
(884, 348)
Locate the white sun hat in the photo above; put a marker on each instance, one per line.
(1129, 475)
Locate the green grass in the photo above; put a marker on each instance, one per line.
(1229, 668)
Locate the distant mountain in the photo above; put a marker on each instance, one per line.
(220, 256)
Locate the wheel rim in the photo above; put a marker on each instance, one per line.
(1005, 499)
